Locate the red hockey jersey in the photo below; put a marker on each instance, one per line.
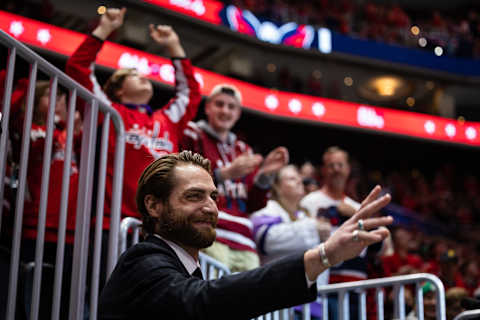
(35, 167)
(147, 136)
(237, 198)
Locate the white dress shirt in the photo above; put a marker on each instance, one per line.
(187, 260)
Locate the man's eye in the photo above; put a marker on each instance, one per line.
(214, 197)
(193, 196)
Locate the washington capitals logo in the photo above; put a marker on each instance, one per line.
(297, 36)
(241, 22)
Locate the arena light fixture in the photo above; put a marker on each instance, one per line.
(422, 42)
(415, 30)
(101, 10)
(385, 88)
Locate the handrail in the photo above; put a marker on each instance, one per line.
(470, 314)
(47, 67)
(85, 186)
(398, 282)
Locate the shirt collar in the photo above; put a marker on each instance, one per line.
(187, 260)
(143, 108)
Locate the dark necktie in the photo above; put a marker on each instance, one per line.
(198, 273)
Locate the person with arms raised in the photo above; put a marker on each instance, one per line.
(149, 133)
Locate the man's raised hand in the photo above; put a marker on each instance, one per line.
(167, 37)
(274, 161)
(360, 230)
(109, 22)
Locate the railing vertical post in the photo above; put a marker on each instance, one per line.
(380, 308)
(306, 312)
(42, 211)
(419, 300)
(399, 304)
(97, 247)
(116, 205)
(7, 96)
(343, 305)
(82, 224)
(22, 183)
(440, 295)
(362, 302)
(62, 224)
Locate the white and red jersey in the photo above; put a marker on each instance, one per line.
(148, 136)
(237, 198)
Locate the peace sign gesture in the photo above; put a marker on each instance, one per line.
(360, 230)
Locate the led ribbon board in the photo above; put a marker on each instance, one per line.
(243, 21)
(267, 101)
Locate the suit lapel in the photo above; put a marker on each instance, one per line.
(160, 243)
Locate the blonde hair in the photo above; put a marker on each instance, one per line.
(115, 82)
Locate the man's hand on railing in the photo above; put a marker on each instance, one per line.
(352, 237)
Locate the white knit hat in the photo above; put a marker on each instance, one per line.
(226, 89)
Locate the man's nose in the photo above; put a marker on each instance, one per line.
(210, 206)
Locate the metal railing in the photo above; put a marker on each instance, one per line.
(86, 183)
(398, 283)
(211, 267)
(470, 314)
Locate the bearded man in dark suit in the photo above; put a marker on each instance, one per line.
(160, 278)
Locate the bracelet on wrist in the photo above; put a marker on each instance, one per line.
(323, 255)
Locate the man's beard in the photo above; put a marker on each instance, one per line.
(338, 182)
(180, 228)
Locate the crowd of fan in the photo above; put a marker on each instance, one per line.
(457, 32)
(447, 195)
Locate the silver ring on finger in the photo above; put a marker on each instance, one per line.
(355, 236)
(360, 225)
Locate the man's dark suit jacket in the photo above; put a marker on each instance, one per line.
(150, 282)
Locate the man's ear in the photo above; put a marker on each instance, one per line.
(118, 94)
(153, 205)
